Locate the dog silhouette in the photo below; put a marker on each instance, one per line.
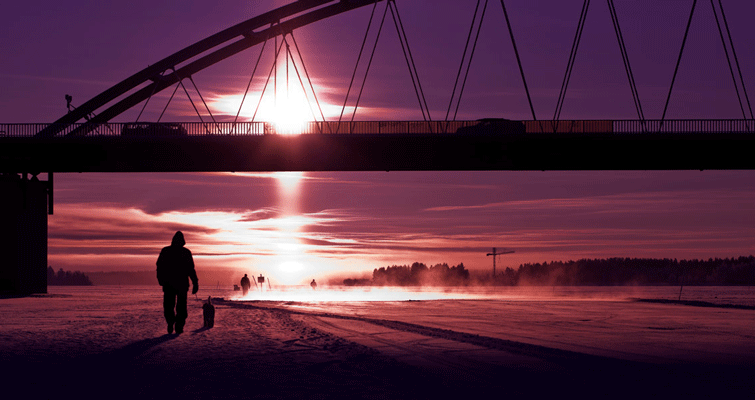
(208, 310)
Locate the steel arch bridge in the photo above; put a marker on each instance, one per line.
(199, 56)
(66, 146)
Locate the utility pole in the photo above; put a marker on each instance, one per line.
(495, 254)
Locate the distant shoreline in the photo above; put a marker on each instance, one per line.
(615, 271)
(739, 271)
(460, 287)
(696, 303)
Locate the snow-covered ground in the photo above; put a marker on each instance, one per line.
(110, 342)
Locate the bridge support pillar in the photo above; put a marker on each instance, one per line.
(23, 234)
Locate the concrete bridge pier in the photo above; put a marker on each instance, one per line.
(24, 204)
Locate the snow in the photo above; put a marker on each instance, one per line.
(110, 342)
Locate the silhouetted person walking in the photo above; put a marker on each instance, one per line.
(245, 284)
(175, 266)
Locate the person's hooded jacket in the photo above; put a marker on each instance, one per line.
(175, 266)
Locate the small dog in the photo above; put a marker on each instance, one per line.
(208, 310)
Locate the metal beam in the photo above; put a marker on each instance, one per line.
(380, 152)
(245, 32)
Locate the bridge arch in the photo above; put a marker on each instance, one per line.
(241, 37)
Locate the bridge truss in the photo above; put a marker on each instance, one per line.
(192, 59)
(84, 139)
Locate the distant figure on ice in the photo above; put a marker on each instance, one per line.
(208, 312)
(313, 284)
(245, 284)
(175, 267)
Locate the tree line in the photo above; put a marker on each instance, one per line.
(67, 278)
(584, 272)
(633, 271)
(417, 274)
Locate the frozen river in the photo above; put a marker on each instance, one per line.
(650, 324)
(296, 342)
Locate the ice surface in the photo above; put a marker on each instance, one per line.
(108, 341)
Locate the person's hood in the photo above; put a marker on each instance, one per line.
(178, 239)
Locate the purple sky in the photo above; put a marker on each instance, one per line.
(318, 223)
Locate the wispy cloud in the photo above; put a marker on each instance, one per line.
(360, 221)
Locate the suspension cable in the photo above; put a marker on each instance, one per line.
(471, 55)
(148, 98)
(275, 66)
(625, 59)
(728, 60)
(205, 103)
(570, 63)
(518, 60)
(359, 57)
(248, 85)
(406, 58)
(369, 64)
(736, 59)
(400, 24)
(306, 73)
(267, 81)
(627, 65)
(180, 81)
(170, 99)
(463, 57)
(301, 82)
(678, 61)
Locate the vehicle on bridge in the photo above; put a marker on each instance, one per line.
(493, 125)
(153, 129)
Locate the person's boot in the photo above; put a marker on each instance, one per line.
(170, 328)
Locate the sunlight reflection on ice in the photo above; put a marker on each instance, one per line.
(511, 294)
(306, 294)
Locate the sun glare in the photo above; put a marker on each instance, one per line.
(363, 294)
(288, 182)
(285, 103)
(290, 115)
(291, 267)
(289, 250)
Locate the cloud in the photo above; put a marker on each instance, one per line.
(260, 215)
(156, 193)
(360, 221)
(109, 230)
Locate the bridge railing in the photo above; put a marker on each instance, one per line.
(685, 125)
(383, 127)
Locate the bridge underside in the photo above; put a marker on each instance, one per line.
(376, 152)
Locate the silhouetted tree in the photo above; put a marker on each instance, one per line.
(67, 278)
(643, 271)
(583, 272)
(419, 274)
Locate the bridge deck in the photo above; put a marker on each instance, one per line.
(386, 127)
(713, 144)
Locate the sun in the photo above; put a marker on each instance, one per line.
(280, 100)
(290, 115)
(291, 267)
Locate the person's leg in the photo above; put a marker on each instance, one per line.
(169, 303)
(181, 311)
